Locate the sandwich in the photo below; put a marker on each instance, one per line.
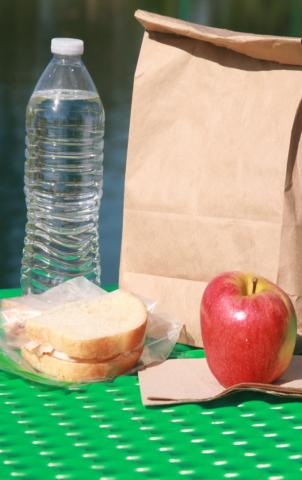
(89, 339)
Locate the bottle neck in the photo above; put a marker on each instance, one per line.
(67, 59)
(65, 72)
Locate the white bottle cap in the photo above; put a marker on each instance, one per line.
(67, 46)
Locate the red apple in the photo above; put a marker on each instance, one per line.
(248, 328)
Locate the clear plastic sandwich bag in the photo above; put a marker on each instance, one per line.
(162, 331)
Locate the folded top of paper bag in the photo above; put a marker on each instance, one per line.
(191, 381)
(286, 50)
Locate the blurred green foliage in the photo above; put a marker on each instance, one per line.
(274, 17)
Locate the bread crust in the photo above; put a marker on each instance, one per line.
(9, 303)
(81, 371)
(101, 349)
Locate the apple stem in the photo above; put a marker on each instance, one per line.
(255, 280)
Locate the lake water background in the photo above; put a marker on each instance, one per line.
(112, 41)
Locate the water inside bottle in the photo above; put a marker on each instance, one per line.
(63, 187)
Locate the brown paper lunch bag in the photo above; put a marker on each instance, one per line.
(214, 171)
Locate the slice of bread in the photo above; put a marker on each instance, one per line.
(81, 371)
(15, 312)
(97, 329)
(8, 303)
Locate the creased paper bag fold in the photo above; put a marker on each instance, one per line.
(191, 381)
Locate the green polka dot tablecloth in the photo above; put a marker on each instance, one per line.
(103, 432)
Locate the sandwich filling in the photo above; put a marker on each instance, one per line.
(47, 349)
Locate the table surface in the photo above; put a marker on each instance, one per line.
(103, 432)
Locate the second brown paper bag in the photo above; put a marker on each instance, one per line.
(213, 177)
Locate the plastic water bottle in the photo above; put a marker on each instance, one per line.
(63, 172)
